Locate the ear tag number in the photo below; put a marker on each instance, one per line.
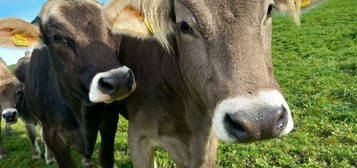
(305, 3)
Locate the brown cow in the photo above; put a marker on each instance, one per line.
(8, 129)
(74, 63)
(204, 70)
(9, 86)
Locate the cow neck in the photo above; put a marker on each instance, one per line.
(163, 98)
(159, 77)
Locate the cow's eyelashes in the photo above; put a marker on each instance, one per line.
(185, 27)
(58, 39)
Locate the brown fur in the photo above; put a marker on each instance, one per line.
(5, 75)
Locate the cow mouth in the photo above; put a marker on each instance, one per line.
(118, 98)
(11, 122)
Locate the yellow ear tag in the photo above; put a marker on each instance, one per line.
(147, 24)
(20, 40)
(305, 3)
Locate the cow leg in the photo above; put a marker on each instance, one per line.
(92, 122)
(60, 150)
(199, 152)
(141, 149)
(32, 133)
(50, 158)
(2, 152)
(107, 130)
(8, 129)
(203, 150)
(178, 151)
(87, 163)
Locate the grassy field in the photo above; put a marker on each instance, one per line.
(316, 66)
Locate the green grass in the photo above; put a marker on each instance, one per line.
(11, 67)
(316, 67)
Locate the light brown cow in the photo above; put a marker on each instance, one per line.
(203, 71)
(9, 86)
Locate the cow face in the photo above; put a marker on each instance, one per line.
(81, 50)
(224, 49)
(8, 98)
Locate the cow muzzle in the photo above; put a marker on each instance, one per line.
(244, 119)
(112, 85)
(10, 115)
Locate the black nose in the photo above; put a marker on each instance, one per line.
(117, 83)
(10, 116)
(267, 123)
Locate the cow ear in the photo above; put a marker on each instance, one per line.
(124, 19)
(18, 33)
(291, 6)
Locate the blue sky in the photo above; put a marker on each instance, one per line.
(24, 9)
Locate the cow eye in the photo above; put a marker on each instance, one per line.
(58, 39)
(270, 10)
(185, 28)
(18, 92)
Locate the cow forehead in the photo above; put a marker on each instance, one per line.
(82, 18)
(209, 10)
(52, 7)
(228, 10)
(8, 89)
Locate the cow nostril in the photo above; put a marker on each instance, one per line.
(130, 80)
(235, 127)
(106, 86)
(14, 114)
(282, 119)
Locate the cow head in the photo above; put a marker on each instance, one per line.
(80, 47)
(9, 88)
(224, 49)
